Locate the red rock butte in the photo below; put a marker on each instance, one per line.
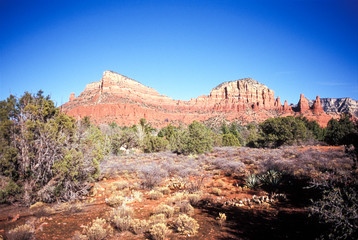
(119, 99)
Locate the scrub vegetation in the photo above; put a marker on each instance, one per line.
(139, 182)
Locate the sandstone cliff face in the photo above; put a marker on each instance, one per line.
(119, 99)
(303, 105)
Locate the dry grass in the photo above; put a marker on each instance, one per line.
(22, 232)
(214, 182)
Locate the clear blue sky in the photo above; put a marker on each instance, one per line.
(181, 48)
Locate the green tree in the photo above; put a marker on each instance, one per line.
(37, 143)
(154, 144)
(196, 139)
(275, 132)
(179, 141)
(167, 131)
(224, 128)
(337, 131)
(230, 139)
(317, 131)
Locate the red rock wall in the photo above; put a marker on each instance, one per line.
(119, 99)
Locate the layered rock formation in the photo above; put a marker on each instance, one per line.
(340, 105)
(119, 99)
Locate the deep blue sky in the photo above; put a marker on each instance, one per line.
(181, 48)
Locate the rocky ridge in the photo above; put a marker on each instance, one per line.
(117, 98)
(339, 105)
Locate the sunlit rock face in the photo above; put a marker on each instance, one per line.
(117, 98)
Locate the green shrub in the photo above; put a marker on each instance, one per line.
(317, 131)
(196, 139)
(56, 159)
(179, 141)
(167, 131)
(340, 132)
(186, 225)
(9, 190)
(229, 139)
(154, 144)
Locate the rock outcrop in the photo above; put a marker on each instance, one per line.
(317, 107)
(303, 105)
(119, 99)
(340, 105)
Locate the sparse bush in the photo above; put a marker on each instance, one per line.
(194, 199)
(186, 225)
(157, 218)
(97, 230)
(115, 201)
(152, 175)
(219, 183)
(40, 209)
(338, 208)
(22, 232)
(196, 183)
(137, 196)
(120, 185)
(177, 197)
(158, 231)
(164, 190)
(228, 166)
(186, 208)
(168, 211)
(221, 219)
(216, 191)
(69, 207)
(122, 211)
(79, 236)
(155, 195)
(122, 223)
(139, 226)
